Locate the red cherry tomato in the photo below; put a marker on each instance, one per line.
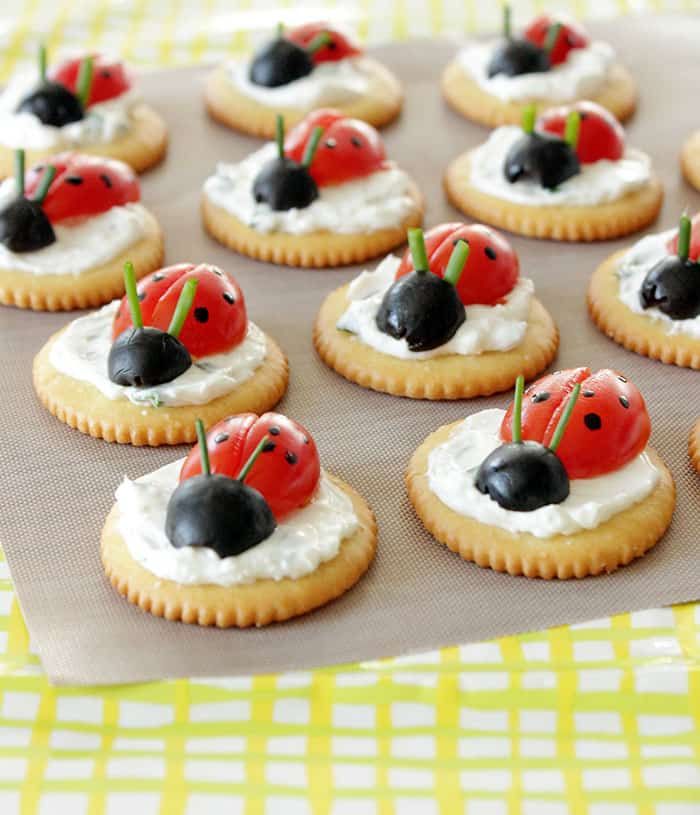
(109, 77)
(339, 47)
(601, 135)
(570, 36)
(491, 269)
(287, 471)
(609, 425)
(348, 148)
(217, 320)
(694, 254)
(83, 186)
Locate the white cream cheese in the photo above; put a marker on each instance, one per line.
(597, 183)
(378, 201)
(80, 245)
(631, 271)
(301, 542)
(82, 350)
(487, 328)
(453, 465)
(103, 122)
(581, 75)
(330, 83)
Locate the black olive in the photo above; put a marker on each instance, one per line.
(53, 104)
(285, 184)
(145, 357)
(673, 286)
(24, 226)
(543, 158)
(515, 57)
(279, 62)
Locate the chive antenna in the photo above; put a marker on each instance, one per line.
(564, 420)
(416, 244)
(203, 449)
(572, 129)
(42, 62)
(684, 231)
(552, 36)
(248, 466)
(528, 118)
(457, 262)
(279, 134)
(132, 295)
(183, 306)
(321, 39)
(507, 22)
(45, 183)
(84, 84)
(19, 172)
(312, 145)
(517, 427)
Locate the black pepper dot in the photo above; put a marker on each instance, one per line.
(331, 143)
(355, 142)
(592, 421)
(158, 276)
(218, 272)
(587, 394)
(105, 74)
(306, 439)
(220, 437)
(229, 298)
(142, 296)
(625, 402)
(290, 457)
(268, 447)
(273, 430)
(106, 180)
(332, 45)
(490, 253)
(201, 314)
(541, 397)
(75, 180)
(622, 379)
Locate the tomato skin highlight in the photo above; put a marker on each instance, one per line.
(217, 321)
(601, 136)
(340, 46)
(609, 425)
(286, 473)
(349, 148)
(492, 267)
(83, 186)
(109, 79)
(571, 35)
(694, 254)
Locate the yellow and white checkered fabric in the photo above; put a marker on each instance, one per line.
(596, 719)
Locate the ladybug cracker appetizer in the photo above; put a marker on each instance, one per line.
(647, 297)
(88, 103)
(66, 227)
(563, 484)
(245, 531)
(553, 61)
(324, 195)
(565, 176)
(299, 70)
(178, 346)
(452, 319)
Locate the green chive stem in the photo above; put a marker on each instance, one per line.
(279, 134)
(564, 420)
(507, 25)
(573, 129)
(42, 62)
(132, 295)
(19, 172)
(457, 262)
(248, 466)
(84, 83)
(321, 39)
(203, 449)
(551, 38)
(684, 231)
(416, 243)
(517, 427)
(44, 184)
(312, 145)
(183, 306)
(280, 29)
(528, 118)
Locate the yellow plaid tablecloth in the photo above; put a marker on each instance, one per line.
(594, 719)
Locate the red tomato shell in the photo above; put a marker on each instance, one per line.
(109, 78)
(287, 471)
(492, 267)
(672, 245)
(608, 428)
(349, 148)
(571, 36)
(217, 320)
(601, 136)
(83, 186)
(339, 47)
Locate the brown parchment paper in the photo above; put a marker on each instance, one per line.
(57, 485)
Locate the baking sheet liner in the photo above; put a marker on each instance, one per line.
(58, 485)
